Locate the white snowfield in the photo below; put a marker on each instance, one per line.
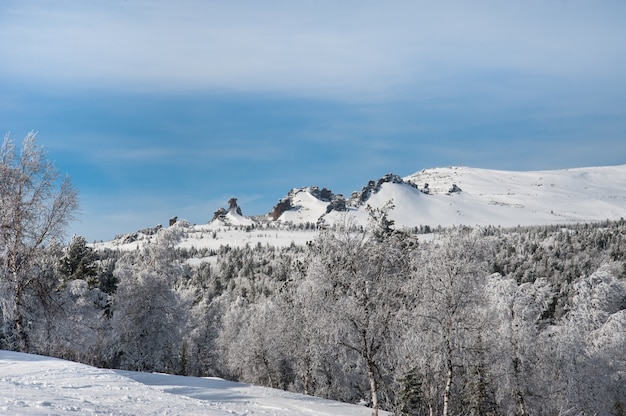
(509, 198)
(484, 197)
(38, 385)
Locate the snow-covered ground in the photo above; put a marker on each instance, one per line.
(216, 234)
(37, 385)
(510, 198)
(484, 197)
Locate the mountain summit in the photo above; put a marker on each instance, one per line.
(426, 199)
(470, 196)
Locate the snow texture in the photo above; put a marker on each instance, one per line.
(484, 197)
(38, 385)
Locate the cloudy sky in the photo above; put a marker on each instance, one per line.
(160, 108)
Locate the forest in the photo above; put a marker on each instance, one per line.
(460, 321)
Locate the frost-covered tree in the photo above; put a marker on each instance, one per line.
(148, 312)
(516, 312)
(255, 345)
(446, 317)
(584, 369)
(36, 204)
(357, 277)
(78, 261)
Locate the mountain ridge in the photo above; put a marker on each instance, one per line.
(448, 196)
(474, 196)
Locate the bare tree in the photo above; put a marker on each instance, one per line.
(35, 206)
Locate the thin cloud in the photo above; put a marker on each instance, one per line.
(337, 49)
(141, 100)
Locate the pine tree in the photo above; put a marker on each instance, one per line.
(410, 394)
(78, 262)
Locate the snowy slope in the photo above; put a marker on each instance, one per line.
(507, 198)
(37, 385)
(492, 197)
(306, 208)
(486, 197)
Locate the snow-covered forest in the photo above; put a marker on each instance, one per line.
(477, 321)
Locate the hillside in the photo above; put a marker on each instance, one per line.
(353, 316)
(469, 196)
(38, 385)
(507, 198)
(431, 197)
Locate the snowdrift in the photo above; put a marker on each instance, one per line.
(38, 385)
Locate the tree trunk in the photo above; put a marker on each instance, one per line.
(19, 338)
(373, 388)
(447, 390)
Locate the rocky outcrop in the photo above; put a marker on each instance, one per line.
(335, 202)
(220, 213)
(360, 197)
(137, 235)
(233, 207)
(322, 194)
(282, 206)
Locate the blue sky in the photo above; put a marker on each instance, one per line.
(158, 108)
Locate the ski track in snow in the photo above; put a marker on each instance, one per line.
(38, 385)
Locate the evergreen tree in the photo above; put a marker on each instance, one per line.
(410, 394)
(78, 262)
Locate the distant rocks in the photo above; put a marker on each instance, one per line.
(313, 203)
(321, 194)
(335, 202)
(137, 235)
(359, 198)
(433, 197)
(233, 207)
(219, 214)
(281, 207)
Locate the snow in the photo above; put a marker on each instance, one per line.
(216, 234)
(306, 208)
(509, 198)
(234, 218)
(487, 197)
(38, 385)
(502, 198)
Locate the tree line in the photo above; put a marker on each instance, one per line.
(471, 321)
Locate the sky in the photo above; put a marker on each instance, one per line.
(158, 109)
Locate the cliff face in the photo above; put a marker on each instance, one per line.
(282, 206)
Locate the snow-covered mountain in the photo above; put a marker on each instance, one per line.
(37, 385)
(431, 197)
(470, 196)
